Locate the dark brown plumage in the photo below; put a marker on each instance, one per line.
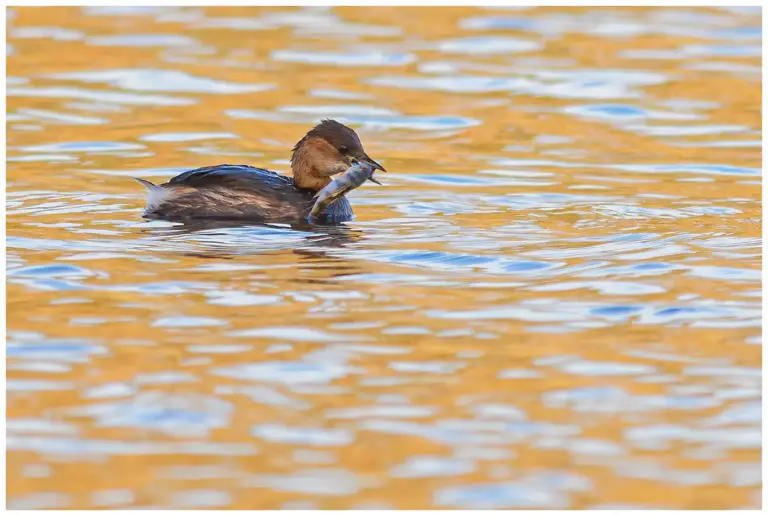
(242, 192)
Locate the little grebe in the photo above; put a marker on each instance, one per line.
(242, 192)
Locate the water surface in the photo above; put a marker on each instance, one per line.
(553, 302)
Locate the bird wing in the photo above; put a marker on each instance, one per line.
(237, 177)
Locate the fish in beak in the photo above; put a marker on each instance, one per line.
(375, 166)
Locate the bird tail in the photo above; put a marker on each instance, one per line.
(147, 184)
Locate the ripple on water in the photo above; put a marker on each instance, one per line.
(59, 118)
(200, 498)
(40, 501)
(425, 466)
(464, 432)
(110, 390)
(139, 79)
(305, 22)
(52, 349)
(80, 449)
(688, 168)
(357, 116)
(112, 497)
(40, 367)
(618, 400)
(286, 372)
(625, 288)
(574, 314)
(662, 436)
(84, 147)
(358, 59)
(624, 113)
(186, 137)
(391, 411)
(278, 433)
(113, 10)
(141, 40)
(37, 385)
(99, 95)
(325, 93)
(416, 123)
(236, 298)
(488, 45)
(40, 426)
(435, 367)
(498, 23)
(54, 33)
(177, 415)
(592, 368)
(294, 333)
(182, 321)
(457, 262)
(538, 491)
(53, 271)
(734, 274)
(320, 482)
(722, 50)
(582, 84)
(454, 84)
(750, 412)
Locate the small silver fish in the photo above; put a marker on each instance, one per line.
(354, 176)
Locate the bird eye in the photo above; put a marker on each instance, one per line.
(354, 162)
(343, 149)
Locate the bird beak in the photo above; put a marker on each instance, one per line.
(375, 165)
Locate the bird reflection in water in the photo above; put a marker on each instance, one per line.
(316, 244)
